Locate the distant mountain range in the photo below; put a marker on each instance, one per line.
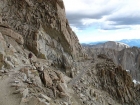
(111, 45)
(122, 53)
(130, 42)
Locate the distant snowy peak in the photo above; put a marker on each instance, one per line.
(131, 42)
(112, 45)
(116, 44)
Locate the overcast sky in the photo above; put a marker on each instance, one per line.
(98, 20)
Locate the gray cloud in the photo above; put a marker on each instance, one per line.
(118, 16)
(114, 27)
(122, 22)
(75, 18)
(109, 28)
(126, 20)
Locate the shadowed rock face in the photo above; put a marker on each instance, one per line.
(128, 58)
(117, 82)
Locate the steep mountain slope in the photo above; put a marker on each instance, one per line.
(44, 27)
(128, 58)
(42, 62)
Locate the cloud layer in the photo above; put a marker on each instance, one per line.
(104, 16)
(107, 14)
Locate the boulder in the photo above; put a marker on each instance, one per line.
(62, 95)
(47, 81)
(60, 88)
(9, 32)
(60, 76)
(48, 99)
(54, 76)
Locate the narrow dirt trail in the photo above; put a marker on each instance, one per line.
(6, 91)
(83, 71)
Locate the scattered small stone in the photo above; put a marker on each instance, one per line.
(48, 99)
(15, 85)
(65, 103)
(16, 81)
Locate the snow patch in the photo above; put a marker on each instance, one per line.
(128, 70)
(123, 44)
(136, 82)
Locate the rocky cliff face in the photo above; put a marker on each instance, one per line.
(117, 82)
(104, 83)
(39, 53)
(44, 28)
(128, 58)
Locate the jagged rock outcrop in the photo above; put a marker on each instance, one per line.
(104, 83)
(128, 58)
(117, 82)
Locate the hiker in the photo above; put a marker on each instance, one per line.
(30, 57)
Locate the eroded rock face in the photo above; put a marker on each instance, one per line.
(117, 82)
(44, 27)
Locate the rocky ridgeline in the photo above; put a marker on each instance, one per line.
(40, 28)
(128, 58)
(117, 82)
(106, 84)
